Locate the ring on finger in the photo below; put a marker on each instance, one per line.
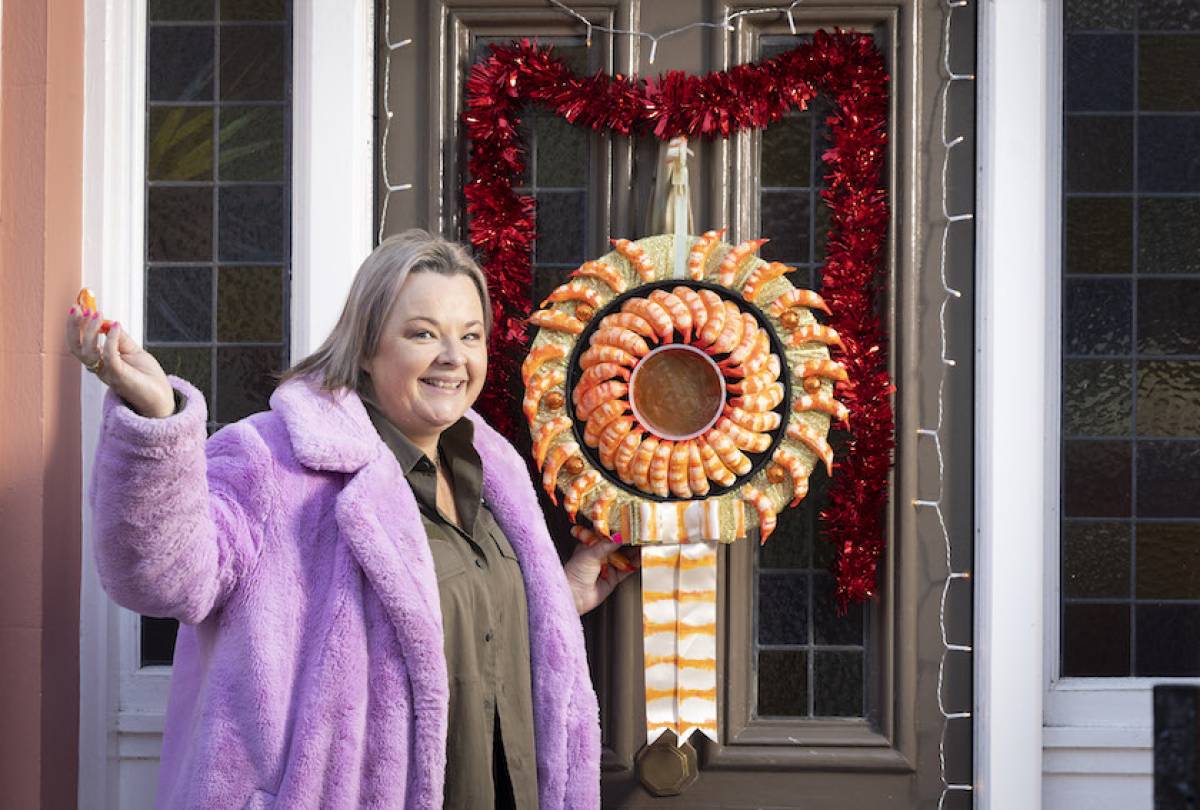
(95, 367)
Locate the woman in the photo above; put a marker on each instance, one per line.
(357, 571)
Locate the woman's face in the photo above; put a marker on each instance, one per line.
(432, 356)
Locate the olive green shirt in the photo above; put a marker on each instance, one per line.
(490, 744)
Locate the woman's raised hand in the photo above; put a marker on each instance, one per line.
(129, 370)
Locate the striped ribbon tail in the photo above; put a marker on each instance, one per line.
(679, 623)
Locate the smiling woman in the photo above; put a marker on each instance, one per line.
(373, 612)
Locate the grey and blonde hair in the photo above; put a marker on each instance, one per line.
(355, 337)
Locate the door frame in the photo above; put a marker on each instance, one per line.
(122, 705)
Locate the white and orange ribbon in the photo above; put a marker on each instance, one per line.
(679, 624)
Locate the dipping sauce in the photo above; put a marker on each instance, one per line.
(677, 392)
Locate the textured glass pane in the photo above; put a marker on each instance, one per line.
(179, 304)
(1096, 478)
(1169, 153)
(253, 9)
(828, 626)
(244, 381)
(576, 57)
(179, 224)
(791, 544)
(253, 63)
(1168, 235)
(782, 683)
(802, 278)
(785, 222)
(1095, 560)
(250, 304)
(252, 223)
(1099, 72)
(1169, 73)
(560, 226)
(179, 146)
(191, 364)
(1096, 397)
(1099, 235)
(1169, 399)
(1168, 482)
(527, 143)
(158, 641)
(1095, 640)
(1169, 15)
(1099, 153)
(1099, 15)
(782, 609)
(561, 152)
(172, 10)
(837, 684)
(1167, 316)
(1168, 561)
(787, 152)
(181, 60)
(1167, 640)
(822, 225)
(1097, 317)
(252, 143)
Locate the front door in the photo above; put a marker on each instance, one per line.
(817, 710)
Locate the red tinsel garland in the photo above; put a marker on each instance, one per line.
(845, 67)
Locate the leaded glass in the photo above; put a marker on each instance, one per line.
(1131, 351)
(218, 208)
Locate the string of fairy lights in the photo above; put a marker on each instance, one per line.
(949, 293)
(934, 434)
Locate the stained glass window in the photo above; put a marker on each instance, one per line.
(218, 208)
(1130, 534)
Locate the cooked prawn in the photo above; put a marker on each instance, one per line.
(822, 403)
(600, 418)
(628, 320)
(731, 333)
(813, 441)
(714, 318)
(816, 333)
(574, 291)
(653, 313)
(545, 435)
(557, 320)
(750, 332)
(695, 305)
(640, 469)
(579, 486)
(597, 374)
(795, 468)
(660, 468)
(593, 398)
(728, 269)
(765, 400)
(748, 440)
(605, 354)
(636, 257)
(697, 480)
(598, 511)
(537, 388)
(610, 439)
(701, 251)
(824, 368)
(626, 450)
(559, 454)
(797, 298)
(766, 512)
(677, 470)
(727, 451)
(605, 272)
(714, 468)
(750, 420)
(624, 339)
(760, 276)
(681, 316)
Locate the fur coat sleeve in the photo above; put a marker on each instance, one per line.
(174, 525)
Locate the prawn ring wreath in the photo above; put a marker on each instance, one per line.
(681, 409)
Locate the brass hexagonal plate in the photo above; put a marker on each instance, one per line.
(667, 769)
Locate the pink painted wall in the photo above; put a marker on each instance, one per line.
(41, 126)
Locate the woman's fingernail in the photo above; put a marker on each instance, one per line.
(616, 537)
(84, 311)
(72, 311)
(95, 315)
(114, 325)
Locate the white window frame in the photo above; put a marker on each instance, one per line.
(122, 705)
(1097, 732)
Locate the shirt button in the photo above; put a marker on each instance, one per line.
(487, 636)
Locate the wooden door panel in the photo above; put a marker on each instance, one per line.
(887, 755)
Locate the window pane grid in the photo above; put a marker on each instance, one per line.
(1131, 356)
(218, 209)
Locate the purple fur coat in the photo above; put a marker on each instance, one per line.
(309, 670)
